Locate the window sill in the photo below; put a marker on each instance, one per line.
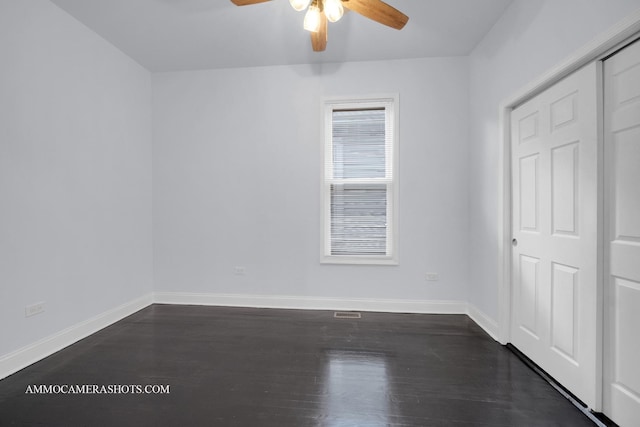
(358, 260)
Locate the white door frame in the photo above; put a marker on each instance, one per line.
(592, 51)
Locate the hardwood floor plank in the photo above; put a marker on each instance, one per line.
(258, 367)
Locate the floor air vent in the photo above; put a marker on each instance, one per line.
(346, 315)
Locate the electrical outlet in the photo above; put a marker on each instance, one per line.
(33, 309)
(432, 277)
(239, 270)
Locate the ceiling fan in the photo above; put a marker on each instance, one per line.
(321, 11)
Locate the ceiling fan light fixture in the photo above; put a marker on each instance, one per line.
(321, 12)
(312, 19)
(333, 9)
(299, 5)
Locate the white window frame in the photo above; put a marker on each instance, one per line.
(390, 104)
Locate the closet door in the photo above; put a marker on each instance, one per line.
(622, 237)
(554, 216)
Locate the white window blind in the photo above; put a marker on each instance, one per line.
(359, 182)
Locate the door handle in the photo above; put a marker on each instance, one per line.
(514, 242)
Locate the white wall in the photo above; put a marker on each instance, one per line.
(236, 180)
(236, 168)
(75, 173)
(529, 39)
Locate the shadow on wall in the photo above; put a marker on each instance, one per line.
(317, 69)
(338, 43)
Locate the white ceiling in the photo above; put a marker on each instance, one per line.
(167, 35)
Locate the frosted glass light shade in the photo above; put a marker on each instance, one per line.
(312, 19)
(333, 9)
(299, 5)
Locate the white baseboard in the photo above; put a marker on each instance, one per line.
(21, 358)
(25, 356)
(313, 303)
(325, 303)
(489, 325)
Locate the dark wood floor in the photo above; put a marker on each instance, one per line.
(252, 367)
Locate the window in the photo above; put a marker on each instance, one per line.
(360, 181)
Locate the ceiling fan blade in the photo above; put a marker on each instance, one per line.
(319, 39)
(378, 11)
(247, 2)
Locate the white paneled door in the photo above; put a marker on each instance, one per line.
(554, 152)
(622, 237)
